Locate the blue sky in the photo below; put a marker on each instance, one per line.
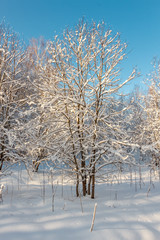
(138, 22)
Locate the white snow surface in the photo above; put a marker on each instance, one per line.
(124, 210)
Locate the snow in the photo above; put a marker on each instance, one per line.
(124, 209)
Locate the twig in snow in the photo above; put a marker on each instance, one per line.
(94, 213)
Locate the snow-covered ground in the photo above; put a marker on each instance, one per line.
(124, 210)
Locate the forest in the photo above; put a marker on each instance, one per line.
(63, 107)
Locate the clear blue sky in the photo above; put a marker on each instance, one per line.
(138, 21)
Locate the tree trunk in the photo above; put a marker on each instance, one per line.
(1, 164)
(83, 165)
(77, 186)
(89, 186)
(1, 157)
(93, 183)
(84, 185)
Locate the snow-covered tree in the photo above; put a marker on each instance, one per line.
(79, 101)
(32, 126)
(151, 129)
(12, 91)
(134, 124)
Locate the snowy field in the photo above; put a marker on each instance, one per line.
(125, 210)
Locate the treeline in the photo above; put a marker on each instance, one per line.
(61, 103)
